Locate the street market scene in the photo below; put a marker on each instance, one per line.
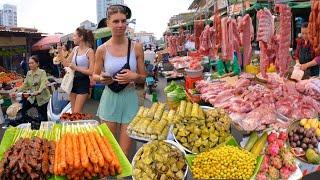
(160, 90)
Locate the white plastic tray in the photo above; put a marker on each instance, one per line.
(145, 139)
(46, 125)
(24, 126)
(81, 122)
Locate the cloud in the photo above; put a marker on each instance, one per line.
(50, 16)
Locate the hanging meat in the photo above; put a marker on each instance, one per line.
(174, 45)
(264, 35)
(246, 36)
(198, 27)
(284, 57)
(205, 41)
(218, 33)
(236, 40)
(212, 40)
(226, 39)
(313, 26)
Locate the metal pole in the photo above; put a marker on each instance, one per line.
(242, 12)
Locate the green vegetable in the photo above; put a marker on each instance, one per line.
(171, 87)
(258, 146)
(178, 94)
(252, 139)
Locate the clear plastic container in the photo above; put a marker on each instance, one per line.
(172, 104)
(194, 73)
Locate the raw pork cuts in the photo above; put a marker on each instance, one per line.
(264, 35)
(284, 57)
(246, 35)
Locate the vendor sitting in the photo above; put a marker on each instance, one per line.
(304, 53)
(36, 83)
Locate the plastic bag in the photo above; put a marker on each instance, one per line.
(67, 81)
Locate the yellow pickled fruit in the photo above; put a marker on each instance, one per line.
(318, 132)
(314, 123)
(307, 126)
(303, 122)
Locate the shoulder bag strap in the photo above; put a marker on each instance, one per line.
(75, 58)
(128, 55)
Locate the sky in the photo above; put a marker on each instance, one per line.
(51, 16)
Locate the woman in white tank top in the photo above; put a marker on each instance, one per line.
(81, 60)
(119, 108)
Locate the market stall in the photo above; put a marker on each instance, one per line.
(257, 94)
(70, 150)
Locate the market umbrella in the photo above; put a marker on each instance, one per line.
(46, 42)
(102, 32)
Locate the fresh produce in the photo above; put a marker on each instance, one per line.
(252, 140)
(178, 94)
(303, 138)
(75, 116)
(311, 123)
(224, 162)
(159, 160)
(171, 87)
(312, 156)
(278, 162)
(7, 77)
(175, 91)
(31, 156)
(153, 123)
(259, 145)
(82, 151)
(203, 130)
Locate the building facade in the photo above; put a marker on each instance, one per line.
(8, 15)
(102, 6)
(88, 25)
(145, 37)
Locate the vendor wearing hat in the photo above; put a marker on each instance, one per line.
(117, 109)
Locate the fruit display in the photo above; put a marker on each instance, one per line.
(75, 116)
(303, 138)
(7, 87)
(224, 162)
(201, 131)
(311, 123)
(278, 162)
(7, 77)
(159, 160)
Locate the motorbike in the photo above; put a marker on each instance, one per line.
(58, 103)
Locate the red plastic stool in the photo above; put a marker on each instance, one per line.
(190, 82)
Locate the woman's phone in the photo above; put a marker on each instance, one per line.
(106, 76)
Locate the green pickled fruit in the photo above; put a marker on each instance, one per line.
(259, 145)
(252, 139)
(312, 156)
